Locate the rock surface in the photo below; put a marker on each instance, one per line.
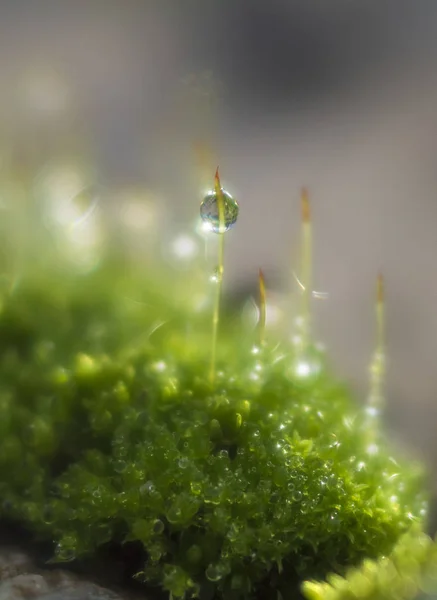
(20, 579)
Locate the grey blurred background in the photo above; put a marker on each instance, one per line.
(338, 95)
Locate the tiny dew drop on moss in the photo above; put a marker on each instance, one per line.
(66, 549)
(196, 488)
(148, 488)
(215, 572)
(209, 211)
(174, 514)
(158, 526)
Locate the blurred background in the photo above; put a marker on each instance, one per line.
(337, 95)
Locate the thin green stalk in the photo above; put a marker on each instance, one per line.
(218, 291)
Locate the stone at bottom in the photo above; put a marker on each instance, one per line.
(21, 580)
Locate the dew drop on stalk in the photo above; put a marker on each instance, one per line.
(209, 211)
(216, 276)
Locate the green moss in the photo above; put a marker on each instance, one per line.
(111, 431)
(264, 478)
(410, 568)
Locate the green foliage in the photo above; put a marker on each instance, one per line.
(112, 432)
(410, 567)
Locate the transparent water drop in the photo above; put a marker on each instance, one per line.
(216, 276)
(158, 526)
(97, 491)
(303, 368)
(196, 488)
(120, 466)
(209, 211)
(214, 572)
(65, 554)
(183, 463)
(155, 553)
(66, 549)
(147, 488)
(174, 514)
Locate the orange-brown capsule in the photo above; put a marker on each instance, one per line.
(262, 306)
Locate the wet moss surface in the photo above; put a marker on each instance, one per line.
(112, 433)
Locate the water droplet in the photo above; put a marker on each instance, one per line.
(303, 369)
(183, 462)
(155, 553)
(65, 554)
(120, 466)
(212, 495)
(158, 526)
(66, 549)
(215, 572)
(196, 488)
(174, 514)
(147, 488)
(216, 277)
(97, 491)
(209, 211)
